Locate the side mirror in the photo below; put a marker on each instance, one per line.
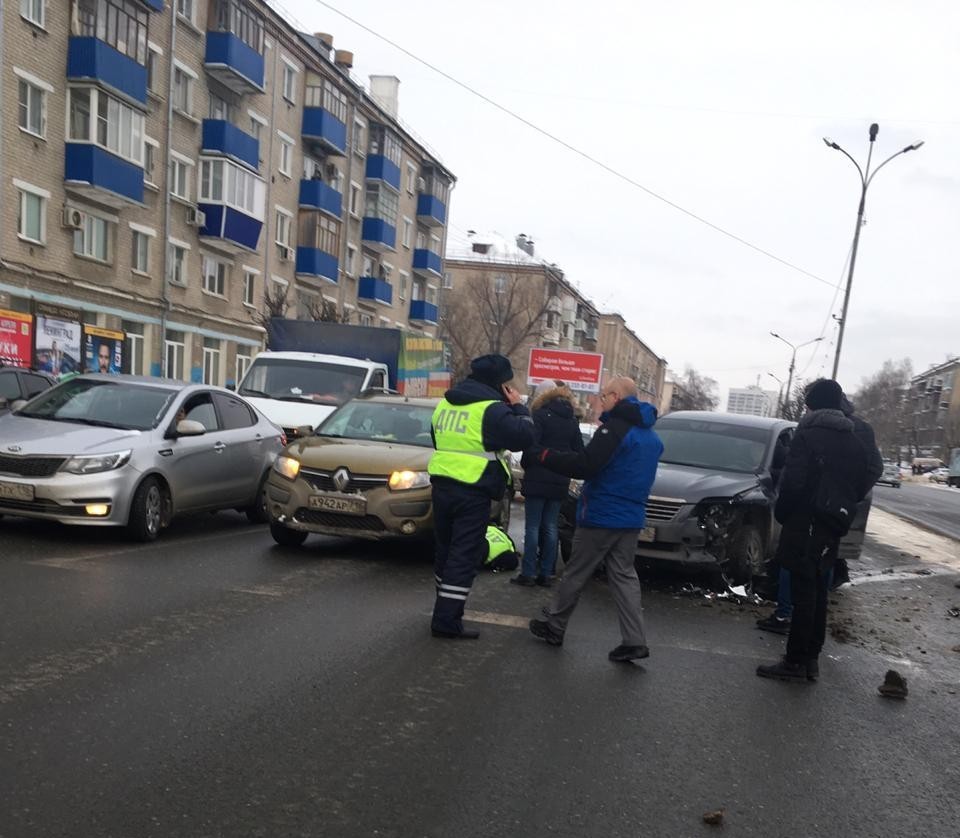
(304, 430)
(231, 385)
(16, 404)
(190, 427)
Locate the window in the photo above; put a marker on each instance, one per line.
(402, 289)
(382, 203)
(256, 125)
(220, 108)
(359, 137)
(325, 94)
(283, 227)
(416, 292)
(33, 108)
(177, 263)
(351, 261)
(140, 252)
(185, 9)
(384, 141)
(285, 163)
(182, 90)
(150, 150)
(32, 10)
(96, 117)
(411, 178)
(289, 87)
(366, 320)
(213, 278)
(154, 54)
(32, 214)
(234, 413)
(224, 182)
(356, 194)
(367, 265)
(237, 17)
(243, 364)
(319, 231)
(92, 240)
(180, 169)
(406, 232)
(211, 361)
(249, 287)
(133, 347)
(120, 23)
(173, 350)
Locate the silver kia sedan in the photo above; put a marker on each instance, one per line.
(131, 451)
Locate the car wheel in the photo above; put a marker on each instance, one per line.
(257, 512)
(146, 511)
(286, 537)
(746, 554)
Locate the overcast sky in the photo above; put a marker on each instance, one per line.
(720, 108)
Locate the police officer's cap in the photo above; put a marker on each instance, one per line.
(491, 369)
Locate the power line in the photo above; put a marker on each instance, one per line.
(574, 149)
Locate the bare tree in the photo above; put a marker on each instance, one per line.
(880, 400)
(323, 310)
(696, 392)
(275, 304)
(502, 314)
(794, 405)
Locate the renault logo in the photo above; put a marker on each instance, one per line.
(341, 479)
(14, 449)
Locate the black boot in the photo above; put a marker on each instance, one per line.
(784, 670)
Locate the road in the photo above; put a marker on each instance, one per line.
(213, 684)
(936, 507)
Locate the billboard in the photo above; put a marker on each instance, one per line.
(57, 339)
(16, 338)
(580, 370)
(103, 350)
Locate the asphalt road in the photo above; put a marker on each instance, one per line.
(213, 684)
(935, 507)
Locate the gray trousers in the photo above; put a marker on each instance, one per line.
(590, 547)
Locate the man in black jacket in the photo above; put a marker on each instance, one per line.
(824, 478)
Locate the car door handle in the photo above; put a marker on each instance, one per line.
(219, 447)
(259, 437)
(165, 452)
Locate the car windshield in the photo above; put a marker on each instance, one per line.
(400, 422)
(283, 378)
(109, 404)
(717, 446)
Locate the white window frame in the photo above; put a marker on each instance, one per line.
(359, 137)
(149, 178)
(406, 232)
(29, 8)
(212, 362)
(187, 10)
(41, 88)
(214, 283)
(365, 319)
(260, 121)
(147, 233)
(355, 208)
(285, 163)
(368, 261)
(411, 178)
(180, 162)
(402, 286)
(191, 77)
(153, 53)
(172, 246)
(248, 292)
(239, 187)
(125, 124)
(241, 365)
(286, 226)
(179, 349)
(86, 241)
(350, 261)
(289, 74)
(24, 189)
(135, 344)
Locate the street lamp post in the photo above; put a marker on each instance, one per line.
(866, 176)
(793, 361)
(780, 392)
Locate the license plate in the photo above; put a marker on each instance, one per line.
(16, 491)
(647, 534)
(334, 503)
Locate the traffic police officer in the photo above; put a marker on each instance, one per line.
(472, 426)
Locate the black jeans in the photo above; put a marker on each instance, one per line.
(810, 587)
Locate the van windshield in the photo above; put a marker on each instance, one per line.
(293, 380)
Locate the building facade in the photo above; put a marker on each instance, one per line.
(933, 410)
(752, 401)
(624, 354)
(173, 172)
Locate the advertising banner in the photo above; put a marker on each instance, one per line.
(420, 368)
(103, 350)
(57, 339)
(16, 338)
(579, 370)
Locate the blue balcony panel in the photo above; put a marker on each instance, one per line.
(231, 225)
(423, 311)
(89, 58)
(156, 5)
(315, 194)
(426, 261)
(314, 262)
(431, 211)
(222, 137)
(98, 168)
(378, 234)
(380, 168)
(233, 63)
(323, 127)
(374, 289)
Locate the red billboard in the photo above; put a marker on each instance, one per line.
(16, 338)
(580, 370)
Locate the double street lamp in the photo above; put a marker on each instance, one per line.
(793, 361)
(866, 176)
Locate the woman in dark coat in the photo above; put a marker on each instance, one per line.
(543, 490)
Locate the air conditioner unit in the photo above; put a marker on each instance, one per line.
(71, 219)
(196, 217)
(286, 253)
(421, 184)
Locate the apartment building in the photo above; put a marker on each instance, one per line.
(752, 401)
(626, 354)
(172, 172)
(933, 410)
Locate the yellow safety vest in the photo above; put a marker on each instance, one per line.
(458, 432)
(498, 543)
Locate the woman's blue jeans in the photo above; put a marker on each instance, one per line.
(541, 536)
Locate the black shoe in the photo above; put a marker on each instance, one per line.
(778, 625)
(839, 580)
(813, 670)
(625, 654)
(466, 634)
(784, 670)
(544, 581)
(541, 629)
(525, 581)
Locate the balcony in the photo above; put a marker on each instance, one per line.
(427, 262)
(312, 261)
(378, 234)
(233, 63)
(580, 325)
(90, 59)
(423, 312)
(382, 168)
(156, 5)
(315, 194)
(224, 138)
(431, 211)
(322, 127)
(550, 337)
(372, 289)
(108, 177)
(554, 304)
(231, 225)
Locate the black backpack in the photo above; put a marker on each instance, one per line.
(834, 501)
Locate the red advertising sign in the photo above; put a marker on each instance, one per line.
(16, 338)
(580, 370)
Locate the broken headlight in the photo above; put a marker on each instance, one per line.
(715, 516)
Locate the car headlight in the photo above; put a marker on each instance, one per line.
(289, 467)
(400, 480)
(94, 463)
(715, 516)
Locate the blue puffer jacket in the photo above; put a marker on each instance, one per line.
(618, 467)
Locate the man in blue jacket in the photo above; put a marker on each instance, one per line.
(619, 466)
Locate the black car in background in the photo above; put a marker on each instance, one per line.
(21, 384)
